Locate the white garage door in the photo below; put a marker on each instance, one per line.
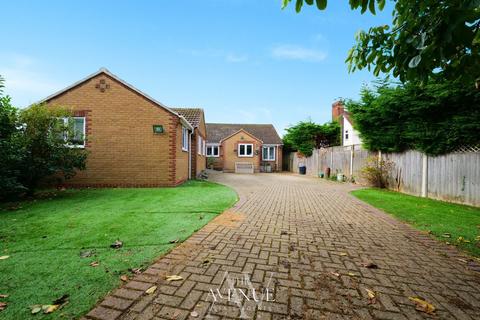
(244, 167)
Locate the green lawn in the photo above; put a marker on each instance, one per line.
(44, 239)
(441, 218)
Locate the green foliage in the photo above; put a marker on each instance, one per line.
(435, 118)
(33, 147)
(47, 152)
(363, 5)
(306, 136)
(427, 39)
(11, 149)
(377, 172)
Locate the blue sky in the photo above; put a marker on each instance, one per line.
(244, 61)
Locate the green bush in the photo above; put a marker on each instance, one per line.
(377, 171)
(435, 118)
(33, 147)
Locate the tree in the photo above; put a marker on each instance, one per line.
(435, 118)
(11, 149)
(35, 146)
(306, 136)
(428, 39)
(49, 146)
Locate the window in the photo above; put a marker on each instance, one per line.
(213, 151)
(245, 150)
(184, 139)
(268, 153)
(346, 134)
(75, 136)
(199, 145)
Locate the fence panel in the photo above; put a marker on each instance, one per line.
(407, 171)
(453, 177)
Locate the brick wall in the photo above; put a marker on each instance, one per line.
(124, 151)
(230, 151)
(201, 160)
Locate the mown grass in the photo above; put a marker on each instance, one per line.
(44, 239)
(446, 221)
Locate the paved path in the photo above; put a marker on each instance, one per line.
(305, 240)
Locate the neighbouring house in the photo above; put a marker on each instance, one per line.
(196, 117)
(133, 140)
(349, 135)
(244, 148)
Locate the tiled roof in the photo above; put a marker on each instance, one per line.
(264, 132)
(193, 115)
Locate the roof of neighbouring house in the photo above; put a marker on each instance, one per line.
(193, 115)
(265, 132)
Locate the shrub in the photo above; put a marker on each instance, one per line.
(33, 147)
(377, 172)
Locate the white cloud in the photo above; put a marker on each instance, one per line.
(294, 52)
(236, 58)
(23, 82)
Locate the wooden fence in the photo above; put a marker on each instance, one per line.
(453, 177)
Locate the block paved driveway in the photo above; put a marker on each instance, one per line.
(306, 240)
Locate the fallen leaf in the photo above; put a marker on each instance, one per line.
(462, 239)
(174, 278)
(86, 253)
(462, 260)
(343, 254)
(3, 296)
(135, 270)
(351, 274)
(94, 264)
(36, 309)
(446, 235)
(422, 305)
(49, 308)
(336, 274)
(117, 244)
(194, 314)
(151, 290)
(206, 261)
(124, 278)
(4, 257)
(370, 293)
(3, 305)
(370, 265)
(173, 241)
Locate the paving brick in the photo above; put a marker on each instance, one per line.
(298, 233)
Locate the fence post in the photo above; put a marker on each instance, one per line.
(351, 160)
(424, 175)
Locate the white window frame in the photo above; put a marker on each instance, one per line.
(199, 145)
(84, 133)
(212, 148)
(184, 139)
(269, 148)
(245, 149)
(204, 148)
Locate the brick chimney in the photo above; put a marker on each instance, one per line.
(337, 110)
